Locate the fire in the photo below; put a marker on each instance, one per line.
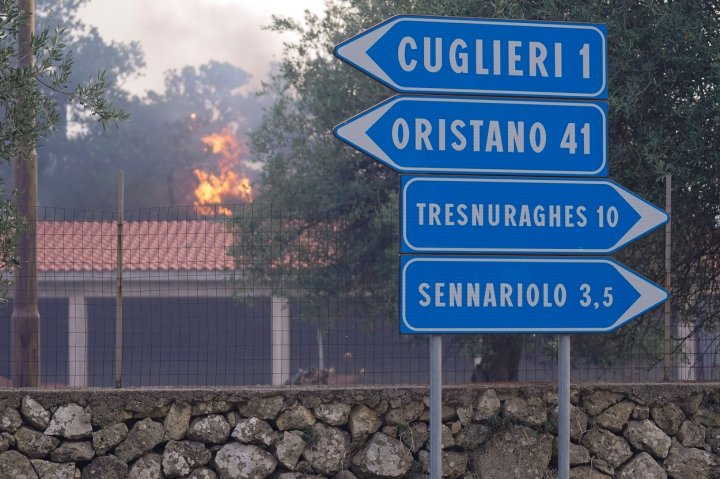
(228, 185)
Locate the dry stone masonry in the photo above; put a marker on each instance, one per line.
(489, 432)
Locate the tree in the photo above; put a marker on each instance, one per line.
(34, 66)
(89, 54)
(158, 148)
(324, 230)
(664, 114)
(29, 108)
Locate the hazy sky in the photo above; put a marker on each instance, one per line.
(175, 33)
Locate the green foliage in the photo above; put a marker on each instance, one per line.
(11, 225)
(664, 109)
(157, 148)
(309, 435)
(311, 255)
(29, 110)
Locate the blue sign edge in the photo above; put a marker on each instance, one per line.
(407, 329)
(405, 247)
(600, 104)
(602, 29)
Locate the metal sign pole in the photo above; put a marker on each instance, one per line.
(435, 406)
(667, 314)
(564, 407)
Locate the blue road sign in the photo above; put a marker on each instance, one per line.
(453, 55)
(418, 134)
(526, 216)
(445, 294)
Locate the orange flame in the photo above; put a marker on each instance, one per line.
(227, 186)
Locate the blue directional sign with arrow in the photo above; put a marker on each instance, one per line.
(413, 134)
(526, 216)
(452, 55)
(446, 294)
(552, 134)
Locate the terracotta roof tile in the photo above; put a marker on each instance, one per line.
(192, 245)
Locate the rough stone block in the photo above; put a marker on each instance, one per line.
(181, 457)
(34, 413)
(289, 448)
(642, 466)
(73, 451)
(607, 446)
(363, 421)
(488, 405)
(109, 437)
(262, 407)
(382, 456)
(616, 416)
(328, 449)
(14, 465)
(105, 467)
(298, 418)
(646, 436)
(177, 421)
(34, 444)
(668, 416)
(70, 421)
(333, 414)
(141, 439)
(599, 400)
(235, 461)
(212, 429)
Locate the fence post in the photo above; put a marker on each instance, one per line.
(77, 340)
(119, 282)
(280, 340)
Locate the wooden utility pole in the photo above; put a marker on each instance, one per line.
(25, 319)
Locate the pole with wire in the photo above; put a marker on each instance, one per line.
(25, 318)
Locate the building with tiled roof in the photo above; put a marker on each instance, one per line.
(185, 320)
(177, 283)
(185, 245)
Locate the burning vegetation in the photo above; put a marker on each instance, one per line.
(227, 185)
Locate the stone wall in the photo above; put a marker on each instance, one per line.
(499, 432)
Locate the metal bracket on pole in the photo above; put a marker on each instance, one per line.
(435, 406)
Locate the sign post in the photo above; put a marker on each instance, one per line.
(435, 406)
(564, 407)
(551, 122)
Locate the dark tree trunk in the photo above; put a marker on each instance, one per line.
(503, 360)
